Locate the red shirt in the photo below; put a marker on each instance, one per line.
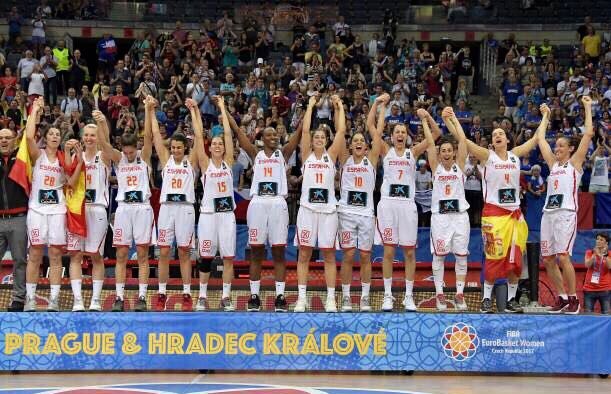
(119, 100)
(9, 81)
(600, 265)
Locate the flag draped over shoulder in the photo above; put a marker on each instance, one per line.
(21, 172)
(75, 199)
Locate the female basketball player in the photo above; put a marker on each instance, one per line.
(397, 222)
(450, 227)
(97, 167)
(134, 215)
(356, 209)
(559, 221)
(503, 227)
(177, 214)
(317, 217)
(268, 215)
(46, 219)
(216, 229)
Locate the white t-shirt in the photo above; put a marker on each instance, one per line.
(36, 85)
(423, 181)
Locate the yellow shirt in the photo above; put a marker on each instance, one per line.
(591, 45)
(63, 59)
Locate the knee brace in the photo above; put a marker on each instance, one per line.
(461, 265)
(438, 263)
(204, 265)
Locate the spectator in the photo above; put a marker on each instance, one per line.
(582, 30)
(465, 68)
(116, 102)
(536, 183)
(15, 21)
(71, 103)
(591, 45)
(599, 181)
(79, 72)
(44, 9)
(341, 29)
(464, 116)
(473, 190)
(38, 35)
(36, 86)
(49, 64)
(8, 83)
(107, 52)
(25, 68)
(64, 63)
(597, 285)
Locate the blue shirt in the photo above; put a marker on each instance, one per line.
(511, 92)
(413, 122)
(393, 120)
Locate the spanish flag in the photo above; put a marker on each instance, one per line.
(21, 173)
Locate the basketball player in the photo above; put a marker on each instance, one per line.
(356, 209)
(46, 219)
(450, 227)
(397, 222)
(503, 226)
(268, 215)
(559, 221)
(134, 215)
(216, 229)
(97, 166)
(176, 220)
(317, 217)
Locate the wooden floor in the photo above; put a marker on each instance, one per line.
(419, 382)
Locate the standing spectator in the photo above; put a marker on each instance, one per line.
(582, 30)
(64, 62)
(591, 45)
(48, 63)
(13, 212)
(511, 91)
(465, 68)
(121, 76)
(203, 95)
(107, 51)
(44, 9)
(79, 72)
(179, 33)
(25, 68)
(8, 82)
(15, 21)
(299, 51)
(599, 181)
(423, 195)
(71, 103)
(597, 285)
(473, 190)
(36, 87)
(321, 31)
(341, 29)
(116, 102)
(38, 34)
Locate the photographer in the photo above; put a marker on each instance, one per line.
(597, 285)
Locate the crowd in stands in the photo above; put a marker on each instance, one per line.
(265, 83)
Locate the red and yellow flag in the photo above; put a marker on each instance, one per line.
(75, 200)
(21, 172)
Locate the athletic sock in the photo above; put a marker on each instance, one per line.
(346, 290)
(186, 289)
(226, 289)
(97, 288)
(76, 288)
(564, 296)
(280, 288)
(512, 289)
(365, 289)
(488, 290)
(55, 291)
(30, 289)
(120, 289)
(388, 286)
(255, 286)
(162, 288)
(460, 286)
(142, 289)
(330, 292)
(302, 291)
(203, 290)
(409, 287)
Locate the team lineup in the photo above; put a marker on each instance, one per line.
(349, 221)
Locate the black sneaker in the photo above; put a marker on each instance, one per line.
(513, 306)
(486, 306)
(118, 305)
(140, 305)
(280, 304)
(254, 303)
(16, 306)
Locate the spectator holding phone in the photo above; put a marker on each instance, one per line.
(597, 285)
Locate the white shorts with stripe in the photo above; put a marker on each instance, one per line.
(450, 234)
(46, 229)
(356, 231)
(558, 232)
(97, 225)
(216, 232)
(133, 223)
(268, 221)
(176, 222)
(316, 229)
(397, 223)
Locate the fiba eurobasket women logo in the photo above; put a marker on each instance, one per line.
(460, 341)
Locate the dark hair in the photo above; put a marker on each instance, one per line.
(573, 141)
(129, 139)
(605, 236)
(447, 139)
(180, 137)
(46, 131)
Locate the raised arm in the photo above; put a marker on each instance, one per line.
(546, 150)
(147, 147)
(431, 149)
(456, 130)
(293, 142)
(424, 145)
(376, 129)
(226, 131)
(378, 145)
(30, 128)
(582, 150)
(243, 139)
(525, 148)
(304, 145)
(160, 148)
(103, 137)
(339, 142)
(198, 131)
(78, 156)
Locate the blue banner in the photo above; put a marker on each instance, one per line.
(603, 208)
(308, 341)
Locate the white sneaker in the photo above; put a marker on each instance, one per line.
(30, 305)
(365, 305)
(96, 305)
(301, 305)
(387, 303)
(202, 304)
(77, 305)
(459, 302)
(346, 304)
(408, 303)
(53, 305)
(330, 305)
(440, 302)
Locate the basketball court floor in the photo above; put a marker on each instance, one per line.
(295, 383)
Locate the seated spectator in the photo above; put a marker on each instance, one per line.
(536, 183)
(464, 116)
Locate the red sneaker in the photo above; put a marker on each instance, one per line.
(160, 303)
(187, 303)
(573, 307)
(561, 305)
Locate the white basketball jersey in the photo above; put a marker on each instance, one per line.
(269, 176)
(96, 180)
(399, 176)
(218, 189)
(449, 190)
(357, 184)
(178, 183)
(318, 186)
(501, 181)
(48, 179)
(562, 187)
(133, 180)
